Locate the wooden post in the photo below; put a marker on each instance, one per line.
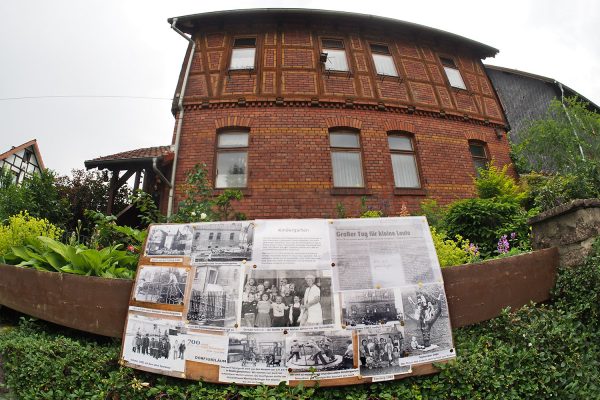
(136, 183)
(112, 190)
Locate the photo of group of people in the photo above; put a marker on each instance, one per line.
(286, 298)
(256, 349)
(321, 350)
(156, 343)
(381, 350)
(363, 308)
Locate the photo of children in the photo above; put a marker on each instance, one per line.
(380, 351)
(284, 299)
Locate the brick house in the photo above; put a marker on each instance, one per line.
(303, 110)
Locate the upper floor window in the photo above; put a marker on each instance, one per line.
(404, 161)
(383, 60)
(453, 74)
(243, 53)
(479, 155)
(346, 159)
(336, 55)
(232, 159)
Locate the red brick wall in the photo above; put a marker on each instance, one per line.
(289, 161)
(288, 102)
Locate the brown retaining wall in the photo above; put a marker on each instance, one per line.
(476, 292)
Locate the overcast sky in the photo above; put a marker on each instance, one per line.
(126, 48)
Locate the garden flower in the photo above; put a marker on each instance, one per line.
(193, 213)
(203, 216)
(131, 248)
(503, 245)
(513, 236)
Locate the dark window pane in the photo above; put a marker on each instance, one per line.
(477, 150)
(333, 44)
(380, 48)
(244, 42)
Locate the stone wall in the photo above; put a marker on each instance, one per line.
(571, 227)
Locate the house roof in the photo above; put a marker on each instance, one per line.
(131, 156)
(193, 22)
(568, 90)
(31, 143)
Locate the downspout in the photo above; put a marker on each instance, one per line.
(179, 120)
(159, 173)
(562, 101)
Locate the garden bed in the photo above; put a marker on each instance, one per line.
(475, 292)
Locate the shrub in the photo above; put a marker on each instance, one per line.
(434, 213)
(22, 227)
(453, 252)
(483, 221)
(495, 183)
(38, 195)
(547, 191)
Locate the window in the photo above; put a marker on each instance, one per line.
(453, 73)
(479, 155)
(242, 55)
(210, 236)
(336, 55)
(232, 155)
(345, 159)
(404, 161)
(218, 236)
(384, 62)
(231, 235)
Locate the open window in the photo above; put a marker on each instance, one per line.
(336, 55)
(452, 73)
(383, 60)
(243, 54)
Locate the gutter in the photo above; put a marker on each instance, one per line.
(179, 120)
(159, 173)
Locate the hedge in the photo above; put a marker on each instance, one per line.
(544, 351)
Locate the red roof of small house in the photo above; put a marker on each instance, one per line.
(164, 153)
(36, 150)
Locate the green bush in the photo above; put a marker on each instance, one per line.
(537, 352)
(495, 183)
(484, 221)
(547, 191)
(453, 252)
(434, 213)
(23, 226)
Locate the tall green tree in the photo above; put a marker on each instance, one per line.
(565, 141)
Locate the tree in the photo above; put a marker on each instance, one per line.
(565, 141)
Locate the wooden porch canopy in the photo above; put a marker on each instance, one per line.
(150, 165)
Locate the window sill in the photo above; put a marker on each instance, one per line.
(333, 72)
(350, 191)
(410, 192)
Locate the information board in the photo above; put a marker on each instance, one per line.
(267, 301)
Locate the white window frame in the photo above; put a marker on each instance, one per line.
(335, 52)
(381, 56)
(453, 74)
(412, 152)
(237, 54)
(349, 149)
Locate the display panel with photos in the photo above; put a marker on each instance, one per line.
(271, 301)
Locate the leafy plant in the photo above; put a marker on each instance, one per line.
(434, 213)
(495, 183)
(22, 227)
(453, 252)
(46, 254)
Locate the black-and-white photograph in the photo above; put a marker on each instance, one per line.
(363, 308)
(287, 298)
(160, 285)
(427, 323)
(319, 351)
(256, 349)
(381, 350)
(215, 296)
(155, 343)
(169, 240)
(222, 241)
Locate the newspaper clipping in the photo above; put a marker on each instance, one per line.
(293, 244)
(381, 351)
(255, 358)
(386, 253)
(169, 240)
(367, 308)
(287, 299)
(222, 242)
(154, 343)
(161, 285)
(206, 348)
